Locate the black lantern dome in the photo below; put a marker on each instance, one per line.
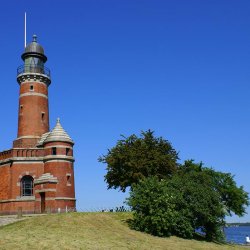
(33, 67)
(34, 49)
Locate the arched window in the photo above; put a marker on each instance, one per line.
(27, 186)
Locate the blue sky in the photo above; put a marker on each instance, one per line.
(180, 68)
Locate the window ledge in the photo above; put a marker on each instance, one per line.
(25, 198)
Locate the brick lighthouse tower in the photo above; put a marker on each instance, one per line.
(37, 174)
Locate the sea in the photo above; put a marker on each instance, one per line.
(237, 234)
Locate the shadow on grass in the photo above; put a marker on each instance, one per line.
(197, 236)
(200, 237)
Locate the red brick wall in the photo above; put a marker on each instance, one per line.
(5, 182)
(30, 120)
(12, 207)
(64, 173)
(37, 87)
(33, 117)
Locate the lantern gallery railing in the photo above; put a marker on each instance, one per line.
(31, 68)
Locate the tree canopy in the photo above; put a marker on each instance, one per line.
(134, 158)
(195, 198)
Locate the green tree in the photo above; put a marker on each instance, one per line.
(134, 158)
(194, 198)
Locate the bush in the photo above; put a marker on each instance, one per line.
(155, 210)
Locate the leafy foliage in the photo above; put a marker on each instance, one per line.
(153, 206)
(194, 198)
(233, 198)
(200, 203)
(134, 158)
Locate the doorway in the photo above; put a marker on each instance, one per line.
(42, 202)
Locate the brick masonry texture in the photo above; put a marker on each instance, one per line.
(33, 118)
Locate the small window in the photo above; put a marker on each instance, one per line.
(31, 87)
(43, 116)
(67, 151)
(68, 179)
(27, 186)
(21, 108)
(53, 151)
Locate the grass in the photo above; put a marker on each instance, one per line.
(89, 231)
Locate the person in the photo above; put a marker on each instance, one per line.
(247, 239)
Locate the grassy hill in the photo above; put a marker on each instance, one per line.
(89, 231)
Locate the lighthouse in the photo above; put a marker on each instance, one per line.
(34, 80)
(37, 173)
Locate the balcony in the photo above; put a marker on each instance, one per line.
(31, 68)
(35, 72)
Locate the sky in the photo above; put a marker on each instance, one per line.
(180, 68)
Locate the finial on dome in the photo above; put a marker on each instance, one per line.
(58, 120)
(34, 38)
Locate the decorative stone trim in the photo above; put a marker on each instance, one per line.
(18, 199)
(58, 146)
(32, 199)
(20, 160)
(33, 94)
(37, 181)
(23, 160)
(28, 136)
(59, 158)
(25, 198)
(28, 77)
(54, 198)
(46, 178)
(65, 198)
(24, 174)
(7, 164)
